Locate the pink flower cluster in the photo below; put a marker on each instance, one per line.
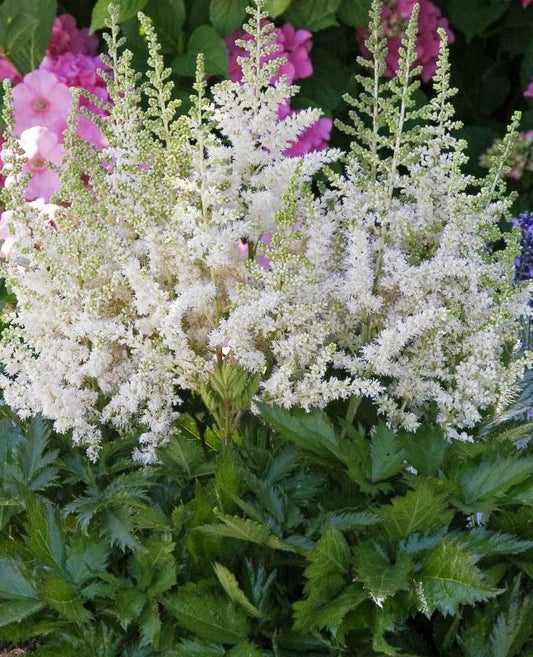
(395, 15)
(42, 103)
(529, 91)
(293, 46)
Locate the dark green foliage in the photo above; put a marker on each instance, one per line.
(301, 539)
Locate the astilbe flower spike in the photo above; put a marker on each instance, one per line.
(380, 287)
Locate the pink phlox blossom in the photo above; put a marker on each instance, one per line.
(291, 44)
(395, 15)
(66, 37)
(41, 100)
(8, 70)
(41, 147)
(529, 91)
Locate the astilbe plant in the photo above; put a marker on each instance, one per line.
(132, 291)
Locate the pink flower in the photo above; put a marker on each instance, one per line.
(66, 37)
(8, 71)
(41, 100)
(529, 91)
(78, 70)
(395, 15)
(293, 45)
(314, 138)
(41, 146)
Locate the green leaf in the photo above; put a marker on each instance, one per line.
(485, 542)
(244, 529)
(419, 510)
(327, 85)
(126, 9)
(316, 613)
(229, 583)
(355, 12)
(205, 39)
(474, 16)
(425, 449)
(386, 452)
(208, 615)
(245, 649)
(330, 557)
(87, 557)
(15, 611)
(275, 8)
(449, 579)
(150, 624)
(227, 15)
(188, 648)
(168, 17)
(490, 480)
(59, 594)
(18, 597)
(44, 537)
(25, 28)
(312, 15)
(380, 577)
(311, 431)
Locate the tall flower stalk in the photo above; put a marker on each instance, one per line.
(379, 286)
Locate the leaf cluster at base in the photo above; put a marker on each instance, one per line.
(306, 538)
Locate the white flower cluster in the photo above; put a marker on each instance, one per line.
(379, 285)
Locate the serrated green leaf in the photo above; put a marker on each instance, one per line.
(275, 8)
(487, 482)
(374, 569)
(13, 584)
(86, 558)
(312, 14)
(449, 579)
(126, 9)
(189, 648)
(244, 529)
(348, 520)
(355, 12)
(316, 613)
(386, 453)
(129, 604)
(150, 624)
(420, 510)
(227, 15)
(229, 583)
(205, 39)
(208, 615)
(59, 594)
(15, 611)
(425, 449)
(311, 431)
(331, 557)
(44, 537)
(485, 542)
(245, 649)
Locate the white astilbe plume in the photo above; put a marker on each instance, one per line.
(381, 285)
